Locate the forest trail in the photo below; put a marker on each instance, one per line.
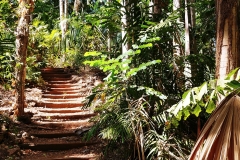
(57, 116)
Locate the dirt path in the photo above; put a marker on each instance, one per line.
(58, 120)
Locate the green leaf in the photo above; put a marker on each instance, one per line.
(175, 122)
(210, 107)
(186, 113)
(94, 53)
(197, 110)
(230, 76)
(179, 115)
(186, 98)
(145, 45)
(202, 90)
(234, 84)
(176, 108)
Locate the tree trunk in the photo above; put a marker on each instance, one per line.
(187, 38)
(22, 34)
(125, 45)
(176, 39)
(187, 69)
(61, 14)
(193, 24)
(109, 40)
(227, 44)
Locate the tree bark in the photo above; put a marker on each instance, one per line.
(22, 34)
(187, 69)
(193, 25)
(227, 43)
(125, 45)
(176, 38)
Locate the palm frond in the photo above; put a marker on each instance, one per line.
(219, 138)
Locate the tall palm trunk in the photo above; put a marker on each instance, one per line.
(227, 46)
(22, 34)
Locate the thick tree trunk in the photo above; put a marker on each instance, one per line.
(22, 34)
(227, 45)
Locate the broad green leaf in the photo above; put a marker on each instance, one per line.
(176, 108)
(186, 98)
(210, 107)
(135, 46)
(230, 76)
(202, 90)
(234, 84)
(175, 122)
(179, 115)
(197, 110)
(94, 53)
(153, 39)
(238, 75)
(145, 45)
(186, 113)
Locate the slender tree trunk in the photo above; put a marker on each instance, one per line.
(61, 14)
(227, 45)
(63, 8)
(22, 34)
(77, 6)
(125, 46)
(187, 70)
(193, 24)
(187, 37)
(109, 40)
(176, 39)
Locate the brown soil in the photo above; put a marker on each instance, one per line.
(54, 114)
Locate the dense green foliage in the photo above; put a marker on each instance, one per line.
(144, 101)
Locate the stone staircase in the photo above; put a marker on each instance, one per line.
(59, 114)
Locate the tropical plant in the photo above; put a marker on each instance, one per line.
(203, 99)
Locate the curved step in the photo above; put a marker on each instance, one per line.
(68, 92)
(56, 146)
(63, 100)
(63, 124)
(67, 89)
(63, 110)
(66, 85)
(57, 78)
(59, 75)
(69, 116)
(65, 96)
(59, 104)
